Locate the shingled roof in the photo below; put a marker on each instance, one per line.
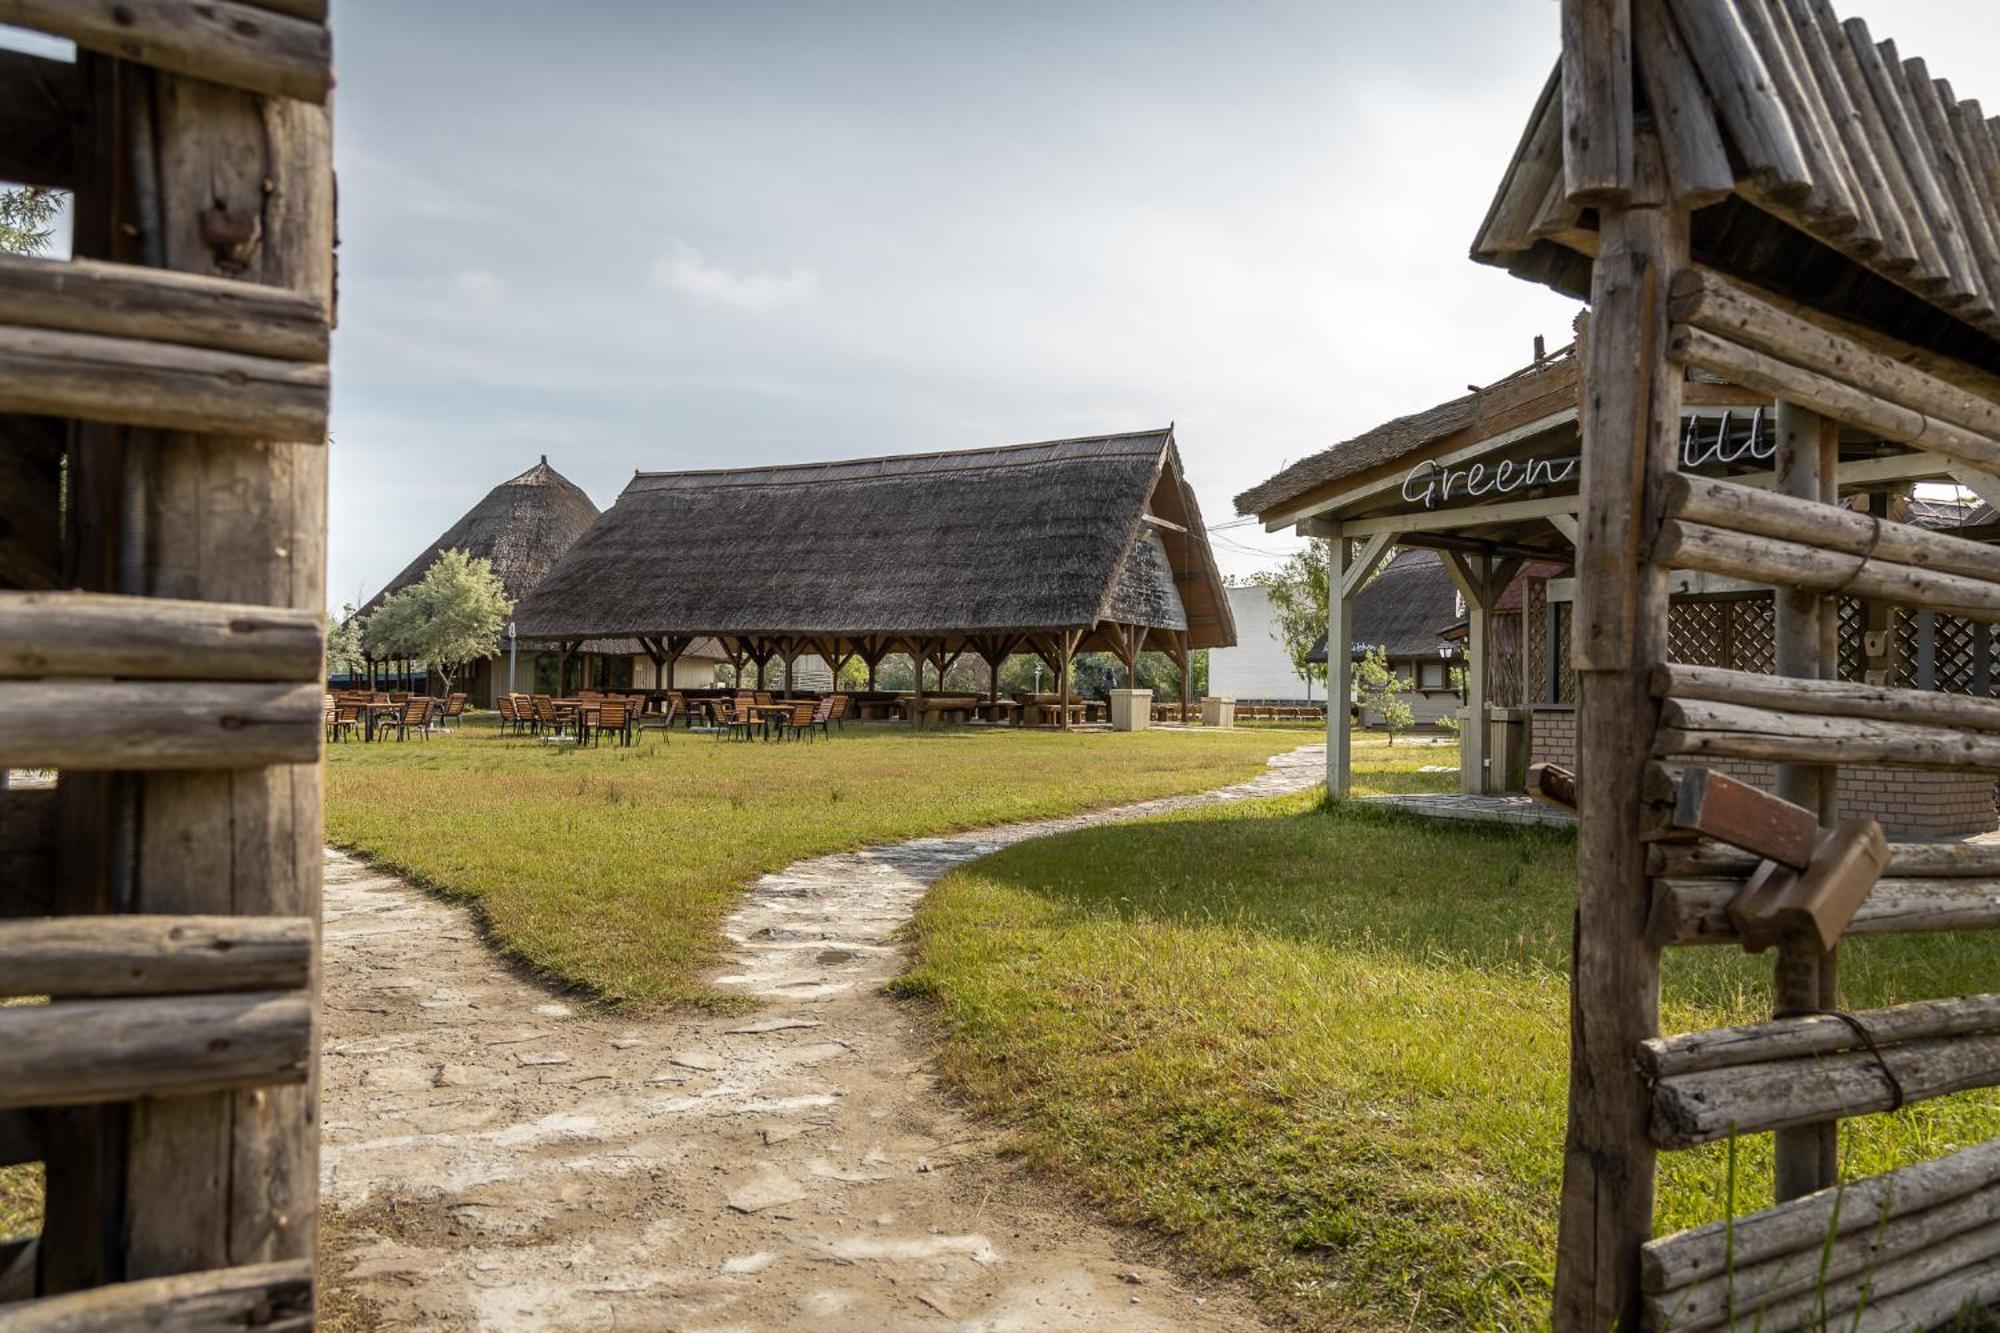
(1788, 120)
(523, 526)
(1064, 534)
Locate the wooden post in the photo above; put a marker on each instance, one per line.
(1807, 1158)
(1339, 666)
(232, 1178)
(1630, 408)
(1473, 575)
(1185, 661)
(1068, 640)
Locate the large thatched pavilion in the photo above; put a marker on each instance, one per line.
(1092, 544)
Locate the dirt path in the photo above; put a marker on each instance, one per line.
(494, 1160)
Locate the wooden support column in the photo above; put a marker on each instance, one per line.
(1184, 660)
(1807, 465)
(1471, 574)
(1630, 407)
(1339, 664)
(244, 190)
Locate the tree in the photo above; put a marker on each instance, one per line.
(343, 645)
(451, 616)
(27, 217)
(1381, 689)
(1298, 597)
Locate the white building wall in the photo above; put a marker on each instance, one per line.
(690, 673)
(1258, 666)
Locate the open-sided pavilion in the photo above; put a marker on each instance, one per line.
(1093, 544)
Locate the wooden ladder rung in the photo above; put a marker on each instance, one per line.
(1903, 1232)
(86, 725)
(99, 956)
(76, 1052)
(272, 1298)
(249, 46)
(1703, 729)
(46, 634)
(132, 382)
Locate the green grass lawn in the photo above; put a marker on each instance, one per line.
(609, 869)
(1327, 1049)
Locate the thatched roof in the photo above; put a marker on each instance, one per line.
(1856, 120)
(1394, 441)
(1403, 607)
(1065, 534)
(523, 526)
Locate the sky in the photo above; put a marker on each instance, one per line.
(635, 235)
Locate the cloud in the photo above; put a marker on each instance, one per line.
(686, 271)
(478, 286)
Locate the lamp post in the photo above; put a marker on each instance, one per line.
(511, 651)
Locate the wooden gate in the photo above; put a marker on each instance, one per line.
(1686, 150)
(162, 542)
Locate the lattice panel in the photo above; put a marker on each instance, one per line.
(1566, 680)
(1903, 624)
(1698, 633)
(1536, 593)
(1853, 652)
(1952, 651)
(1753, 636)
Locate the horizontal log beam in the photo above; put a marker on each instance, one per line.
(1796, 564)
(272, 1298)
(128, 381)
(1828, 698)
(1714, 303)
(70, 957)
(1764, 1294)
(224, 41)
(1907, 860)
(1696, 911)
(76, 1052)
(159, 305)
(1706, 1107)
(41, 104)
(170, 724)
(1829, 397)
(1730, 504)
(1815, 1034)
(1705, 1252)
(96, 634)
(1703, 730)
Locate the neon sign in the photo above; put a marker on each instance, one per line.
(1435, 484)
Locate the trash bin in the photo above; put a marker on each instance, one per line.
(1131, 710)
(1218, 711)
(1507, 749)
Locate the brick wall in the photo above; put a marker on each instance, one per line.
(1911, 803)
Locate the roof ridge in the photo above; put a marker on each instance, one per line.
(1165, 432)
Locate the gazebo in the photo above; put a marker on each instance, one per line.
(1055, 548)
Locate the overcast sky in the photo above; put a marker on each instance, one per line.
(650, 235)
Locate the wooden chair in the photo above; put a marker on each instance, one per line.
(676, 706)
(342, 720)
(454, 708)
(837, 713)
(798, 722)
(822, 717)
(413, 715)
(510, 720)
(731, 720)
(613, 715)
(764, 697)
(547, 722)
(662, 721)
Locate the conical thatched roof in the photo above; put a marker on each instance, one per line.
(1065, 534)
(523, 526)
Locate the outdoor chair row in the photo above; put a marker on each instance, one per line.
(374, 717)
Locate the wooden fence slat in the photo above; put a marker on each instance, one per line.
(1815, 1034)
(129, 954)
(1696, 911)
(1700, 729)
(273, 1298)
(99, 634)
(160, 305)
(1708, 1106)
(225, 41)
(129, 381)
(1760, 559)
(154, 725)
(76, 1052)
(1832, 698)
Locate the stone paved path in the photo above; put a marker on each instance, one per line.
(493, 1159)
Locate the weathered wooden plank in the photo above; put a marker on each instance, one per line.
(1698, 168)
(99, 634)
(1938, 1302)
(1833, 698)
(41, 102)
(1831, 397)
(244, 46)
(160, 305)
(273, 1298)
(1830, 204)
(1712, 302)
(1759, 559)
(1710, 1105)
(27, 851)
(1696, 911)
(1699, 728)
(76, 1052)
(1597, 100)
(1871, 191)
(137, 383)
(70, 957)
(1908, 860)
(1745, 99)
(1732, 811)
(157, 725)
(1816, 1034)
